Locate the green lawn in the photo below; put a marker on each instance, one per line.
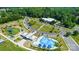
(76, 38)
(8, 46)
(36, 24)
(18, 39)
(49, 28)
(1, 37)
(46, 28)
(14, 31)
(20, 21)
(62, 44)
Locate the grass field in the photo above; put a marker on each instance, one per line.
(62, 44)
(46, 28)
(76, 38)
(20, 21)
(10, 29)
(8, 46)
(1, 37)
(49, 28)
(36, 24)
(14, 31)
(18, 39)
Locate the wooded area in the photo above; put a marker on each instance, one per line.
(68, 16)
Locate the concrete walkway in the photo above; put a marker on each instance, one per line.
(69, 41)
(20, 45)
(21, 42)
(71, 44)
(25, 22)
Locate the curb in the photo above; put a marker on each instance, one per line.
(66, 44)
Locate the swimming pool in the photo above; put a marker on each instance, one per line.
(45, 42)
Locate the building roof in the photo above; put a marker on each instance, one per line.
(48, 19)
(29, 35)
(24, 34)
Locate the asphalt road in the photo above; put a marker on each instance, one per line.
(72, 45)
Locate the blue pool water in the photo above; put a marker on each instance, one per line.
(45, 42)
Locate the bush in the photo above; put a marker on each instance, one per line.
(67, 34)
(75, 32)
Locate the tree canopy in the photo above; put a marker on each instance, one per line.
(68, 16)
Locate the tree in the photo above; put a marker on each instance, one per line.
(67, 34)
(75, 32)
(77, 21)
(67, 16)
